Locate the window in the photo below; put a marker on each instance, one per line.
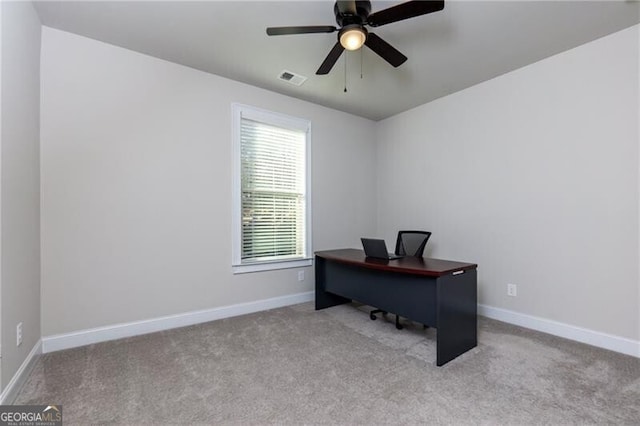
(271, 217)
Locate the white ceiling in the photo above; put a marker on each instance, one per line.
(467, 43)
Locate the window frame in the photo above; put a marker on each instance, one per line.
(281, 120)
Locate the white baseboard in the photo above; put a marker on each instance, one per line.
(118, 331)
(9, 393)
(571, 332)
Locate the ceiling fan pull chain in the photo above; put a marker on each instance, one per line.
(345, 73)
(361, 63)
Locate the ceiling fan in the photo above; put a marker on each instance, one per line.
(352, 17)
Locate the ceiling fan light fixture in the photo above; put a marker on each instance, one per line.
(353, 37)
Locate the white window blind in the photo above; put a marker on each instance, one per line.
(273, 204)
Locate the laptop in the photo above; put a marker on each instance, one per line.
(377, 248)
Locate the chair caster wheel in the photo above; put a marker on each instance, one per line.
(373, 317)
(398, 325)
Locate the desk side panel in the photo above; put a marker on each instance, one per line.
(324, 299)
(457, 315)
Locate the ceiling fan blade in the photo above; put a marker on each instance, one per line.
(385, 50)
(404, 11)
(348, 7)
(272, 31)
(331, 59)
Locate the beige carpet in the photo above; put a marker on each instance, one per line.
(297, 366)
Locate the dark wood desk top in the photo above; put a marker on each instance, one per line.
(405, 265)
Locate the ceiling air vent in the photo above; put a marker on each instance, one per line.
(292, 77)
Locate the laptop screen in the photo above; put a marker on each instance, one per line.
(374, 247)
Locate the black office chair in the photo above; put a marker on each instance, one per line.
(409, 243)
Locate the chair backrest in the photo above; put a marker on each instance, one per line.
(411, 243)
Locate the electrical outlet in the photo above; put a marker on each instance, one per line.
(300, 275)
(19, 334)
(512, 290)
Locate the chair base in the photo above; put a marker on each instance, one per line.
(372, 316)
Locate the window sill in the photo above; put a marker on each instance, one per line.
(271, 266)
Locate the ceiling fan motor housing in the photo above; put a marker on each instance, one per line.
(363, 10)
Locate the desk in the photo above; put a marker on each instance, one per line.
(434, 292)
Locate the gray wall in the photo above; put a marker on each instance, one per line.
(536, 167)
(136, 186)
(20, 183)
(534, 176)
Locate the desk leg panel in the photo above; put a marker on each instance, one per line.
(323, 298)
(457, 315)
